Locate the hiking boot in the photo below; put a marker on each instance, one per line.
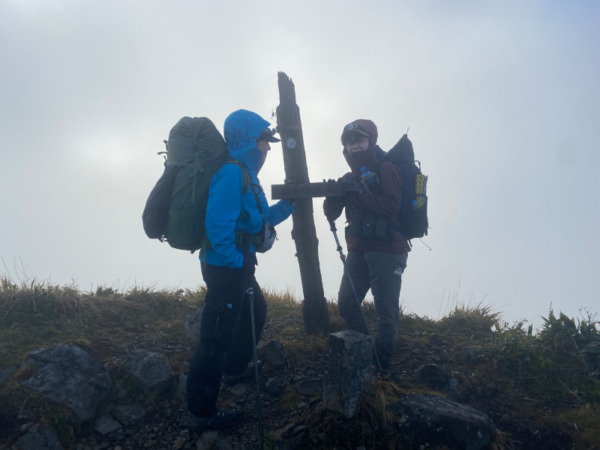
(244, 375)
(220, 418)
(383, 372)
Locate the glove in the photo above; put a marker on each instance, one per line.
(351, 187)
(333, 207)
(249, 264)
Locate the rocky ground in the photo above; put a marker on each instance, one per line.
(465, 363)
(292, 411)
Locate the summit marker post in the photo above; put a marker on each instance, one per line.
(289, 126)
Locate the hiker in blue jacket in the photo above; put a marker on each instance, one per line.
(237, 211)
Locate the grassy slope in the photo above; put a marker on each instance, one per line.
(543, 387)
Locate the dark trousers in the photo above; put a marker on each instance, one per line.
(382, 273)
(226, 334)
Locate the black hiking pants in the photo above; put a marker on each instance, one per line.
(225, 336)
(382, 273)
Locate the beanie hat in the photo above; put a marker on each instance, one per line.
(362, 127)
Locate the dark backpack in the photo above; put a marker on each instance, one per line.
(176, 207)
(413, 210)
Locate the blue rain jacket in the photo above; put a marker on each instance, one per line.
(229, 208)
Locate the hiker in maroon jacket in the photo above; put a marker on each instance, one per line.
(377, 250)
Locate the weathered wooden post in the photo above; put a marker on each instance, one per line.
(314, 308)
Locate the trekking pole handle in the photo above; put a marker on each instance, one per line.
(332, 225)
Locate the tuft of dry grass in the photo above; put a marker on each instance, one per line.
(36, 313)
(470, 320)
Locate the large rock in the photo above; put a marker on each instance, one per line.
(70, 376)
(150, 371)
(46, 439)
(350, 356)
(434, 420)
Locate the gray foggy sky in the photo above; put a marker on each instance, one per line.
(501, 98)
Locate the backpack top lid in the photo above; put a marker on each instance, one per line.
(402, 152)
(192, 136)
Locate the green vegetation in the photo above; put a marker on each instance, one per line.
(543, 385)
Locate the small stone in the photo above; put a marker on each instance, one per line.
(239, 389)
(25, 414)
(129, 414)
(310, 387)
(433, 375)
(276, 354)
(107, 426)
(179, 442)
(150, 371)
(273, 387)
(23, 428)
(299, 429)
(207, 439)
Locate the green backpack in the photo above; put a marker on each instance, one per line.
(175, 210)
(199, 150)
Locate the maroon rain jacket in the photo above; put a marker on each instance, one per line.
(386, 206)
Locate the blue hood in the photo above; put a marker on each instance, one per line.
(241, 128)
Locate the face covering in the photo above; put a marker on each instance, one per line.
(367, 159)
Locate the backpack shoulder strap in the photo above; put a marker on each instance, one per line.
(246, 179)
(245, 175)
(378, 166)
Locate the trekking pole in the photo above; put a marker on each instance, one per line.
(250, 292)
(362, 316)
